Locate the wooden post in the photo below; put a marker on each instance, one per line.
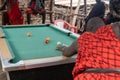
(85, 9)
(76, 12)
(28, 15)
(28, 18)
(51, 11)
(71, 7)
(70, 11)
(85, 14)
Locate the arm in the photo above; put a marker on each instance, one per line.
(70, 50)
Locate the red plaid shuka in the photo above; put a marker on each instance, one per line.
(99, 50)
(15, 15)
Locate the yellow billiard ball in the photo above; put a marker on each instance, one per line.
(28, 34)
(47, 40)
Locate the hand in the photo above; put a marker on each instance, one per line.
(61, 48)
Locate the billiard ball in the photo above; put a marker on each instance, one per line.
(47, 40)
(28, 34)
(58, 43)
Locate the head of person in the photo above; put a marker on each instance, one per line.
(98, 1)
(93, 24)
(116, 5)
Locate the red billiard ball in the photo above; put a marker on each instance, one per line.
(47, 40)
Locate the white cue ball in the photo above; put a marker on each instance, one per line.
(58, 43)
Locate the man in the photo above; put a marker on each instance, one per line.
(114, 14)
(36, 7)
(98, 10)
(14, 15)
(98, 49)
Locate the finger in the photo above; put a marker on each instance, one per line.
(60, 48)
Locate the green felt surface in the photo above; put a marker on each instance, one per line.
(34, 47)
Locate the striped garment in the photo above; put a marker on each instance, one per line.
(99, 50)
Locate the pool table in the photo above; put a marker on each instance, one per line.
(18, 51)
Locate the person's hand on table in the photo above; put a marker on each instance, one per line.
(70, 50)
(64, 50)
(61, 48)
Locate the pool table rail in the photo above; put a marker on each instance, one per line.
(4, 50)
(36, 63)
(2, 35)
(65, 30)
